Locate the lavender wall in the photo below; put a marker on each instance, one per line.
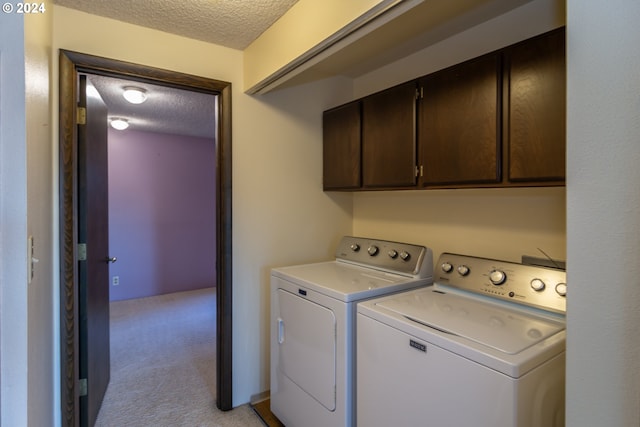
(162, 224)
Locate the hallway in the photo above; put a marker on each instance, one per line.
(163, 364)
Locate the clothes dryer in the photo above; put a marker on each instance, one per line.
(313, 311)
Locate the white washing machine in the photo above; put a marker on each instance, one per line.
(313, 311)
(483, 347)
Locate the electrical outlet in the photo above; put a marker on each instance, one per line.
(115, 280)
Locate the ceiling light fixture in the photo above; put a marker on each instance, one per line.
(135, 95)
(119, 123)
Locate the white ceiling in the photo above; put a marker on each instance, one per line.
(166, 110)
(230, 23)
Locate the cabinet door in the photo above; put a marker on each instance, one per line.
(388, 138)
(341, 147)
(459, 124)
(536, 108)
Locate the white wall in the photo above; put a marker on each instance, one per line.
(495, 223)
(533, 18)
(280, 214)
(43, 319)
(13, 223)
(603, 213)
(306, 25)
(29, 355)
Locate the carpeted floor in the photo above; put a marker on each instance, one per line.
(163, 365)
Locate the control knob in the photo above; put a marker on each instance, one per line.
(561, 289)
(463, 270)
(373, 250)
(355, 247)
(537, 285)
(446, 267)
(497, 277)
(405, 256)
(393, 254)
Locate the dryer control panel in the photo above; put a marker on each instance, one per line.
(395, 257)
(540, 287)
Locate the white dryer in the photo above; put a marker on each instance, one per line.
(313, 311)
(483, 347)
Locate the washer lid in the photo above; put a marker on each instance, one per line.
(497, 326)
(346, 282)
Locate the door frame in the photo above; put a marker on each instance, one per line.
(72, 63)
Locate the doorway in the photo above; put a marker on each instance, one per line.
(71, 64)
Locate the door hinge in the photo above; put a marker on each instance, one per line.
(82, 251)
(420, 92)
(81, 115)
(82, 387)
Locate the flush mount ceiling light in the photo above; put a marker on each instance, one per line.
(119, 123)
(134, 95)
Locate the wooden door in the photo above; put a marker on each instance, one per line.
(341, 136)
(459, 124)
(389, 138)
(93, 271)
(536, 113)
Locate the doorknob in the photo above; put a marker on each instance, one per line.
(111, 259)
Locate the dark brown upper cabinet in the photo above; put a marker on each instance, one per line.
(494, 121)
(459, 119)
(341, 133)
(535, 109)
(389, 138)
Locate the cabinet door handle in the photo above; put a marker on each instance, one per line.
(280, 331)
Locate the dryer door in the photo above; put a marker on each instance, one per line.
(307, 346)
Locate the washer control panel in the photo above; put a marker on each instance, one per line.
(394, 257)
(539, 287)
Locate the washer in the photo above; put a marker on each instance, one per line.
(484, 346)
(313, 311)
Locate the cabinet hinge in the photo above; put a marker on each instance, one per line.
(419, 171)
(82, 251)
(420, 92)
(82, 387)
(81, 115)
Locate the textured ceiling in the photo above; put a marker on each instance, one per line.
(230, 23)
(166, 110)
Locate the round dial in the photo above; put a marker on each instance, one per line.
(446, 267)
(405, 255)
(355, 247)
(373, 250)
(537, 285)
(393, 254)
(561, 289)
(497, 277)
(463, 270)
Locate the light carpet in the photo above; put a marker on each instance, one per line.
(163, 362)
